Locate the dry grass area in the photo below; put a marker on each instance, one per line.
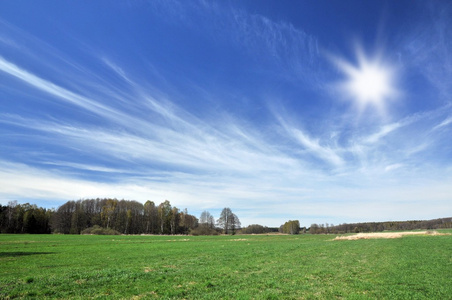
(385, 235)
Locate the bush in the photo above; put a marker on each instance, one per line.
(202, 230)
(97, 230)
(254, 229)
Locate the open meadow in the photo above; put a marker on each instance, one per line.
(228, 267)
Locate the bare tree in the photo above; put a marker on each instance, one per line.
(228, 221)
(207, 220)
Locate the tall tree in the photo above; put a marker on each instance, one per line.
(228, 221)
(207, 220)
(108, 211)
(11, 212)
(235, 223)
(188, 222)
(164, 214)
(150, 217)
(175, 220)
(62, 220)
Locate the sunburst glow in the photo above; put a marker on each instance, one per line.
(369, 83)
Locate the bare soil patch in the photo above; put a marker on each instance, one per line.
(384, 235)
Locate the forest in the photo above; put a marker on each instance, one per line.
(112, 216)
(115, 216)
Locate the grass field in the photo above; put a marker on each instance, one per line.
(228, 267)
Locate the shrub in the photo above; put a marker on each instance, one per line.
(97, 230)
(203, 230)
(255, 229)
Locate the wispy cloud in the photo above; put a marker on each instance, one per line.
(444, 123)
(291, 53)
(427, 52)
(55, 90)
(313, 145)
(384, 131)
(118, 70)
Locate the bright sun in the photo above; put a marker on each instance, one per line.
(369, 83)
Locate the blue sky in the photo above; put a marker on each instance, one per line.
(321, 111)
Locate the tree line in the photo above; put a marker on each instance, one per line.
(380, 226)
(124, 216)
(24, 218)
(258, 229)
(132, 217)
(121, 216)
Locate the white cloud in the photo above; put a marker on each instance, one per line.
(314, 147)
(118, 70)
(384, 131)
(443, 123)
(54, 89)
(393, 167)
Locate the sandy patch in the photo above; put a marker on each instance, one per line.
(385, 235)
(170, 266)
(238, 240)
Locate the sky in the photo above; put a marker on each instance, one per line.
(319, 111)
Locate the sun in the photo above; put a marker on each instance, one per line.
(370, 83)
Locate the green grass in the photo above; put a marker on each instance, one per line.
(228, 267)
